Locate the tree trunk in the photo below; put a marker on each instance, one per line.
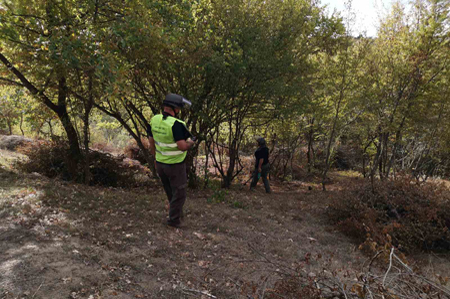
(148, 157)
(376, 160)
(380, 168)
(50, 127)
(191, 168)
(9, 127)
(137, 137)
(310, 146)
(21, 124)
(226, 183)
(63, 115)
(364, 165)
(206, 165)
(86, 139)
(60, 109)
(87, 172)
(364, 155)
(74, 156)
(330, 142)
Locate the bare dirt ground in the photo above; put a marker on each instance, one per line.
(61, 240)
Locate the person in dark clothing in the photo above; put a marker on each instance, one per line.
(169, 140)
(262, 165)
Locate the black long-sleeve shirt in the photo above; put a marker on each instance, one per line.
(262, 153)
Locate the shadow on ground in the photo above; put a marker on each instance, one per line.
(63, 240)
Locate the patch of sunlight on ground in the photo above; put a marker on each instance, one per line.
(7, 158)
(6, 268)
(350, 173)
(24, 250)
(31, 246)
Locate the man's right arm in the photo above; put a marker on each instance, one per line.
(182, 137)
(184, 145)
(152, 145)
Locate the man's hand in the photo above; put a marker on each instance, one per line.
(184, 145)
(190, 142)
(260, 165)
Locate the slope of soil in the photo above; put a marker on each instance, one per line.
(60, 240)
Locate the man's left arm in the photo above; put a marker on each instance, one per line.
(261, 161)
(151, 141)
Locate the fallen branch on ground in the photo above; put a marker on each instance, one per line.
(200, 292)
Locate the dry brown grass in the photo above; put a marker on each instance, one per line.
(398, 213)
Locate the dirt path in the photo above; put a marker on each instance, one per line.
(59, 240)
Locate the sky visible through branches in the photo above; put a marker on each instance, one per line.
(368, 13)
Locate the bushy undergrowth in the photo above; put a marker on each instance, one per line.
(133, 151)
(385, 275)
(294, 287)
(50, 159)
(400, 213)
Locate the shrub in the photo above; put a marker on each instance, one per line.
(317, 278)
(103, 147)
(133, 151)
(401, 213)
(291, 286)
(50, 159)
(46, 158)
(12, 142)
(107, 170)
(218, 196)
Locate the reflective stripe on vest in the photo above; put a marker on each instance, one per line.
(166, 144)
(174, 153)
(166, 148)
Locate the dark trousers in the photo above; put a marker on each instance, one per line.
(174, 180)
(264, 173)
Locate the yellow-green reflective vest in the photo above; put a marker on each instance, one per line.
(166, 148)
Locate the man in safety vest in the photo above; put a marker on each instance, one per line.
(169, 141)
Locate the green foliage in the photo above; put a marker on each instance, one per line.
(238, 205)
(223, 196)
(281, 69)
(107, 130)
(12, 108)
(219, 196)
